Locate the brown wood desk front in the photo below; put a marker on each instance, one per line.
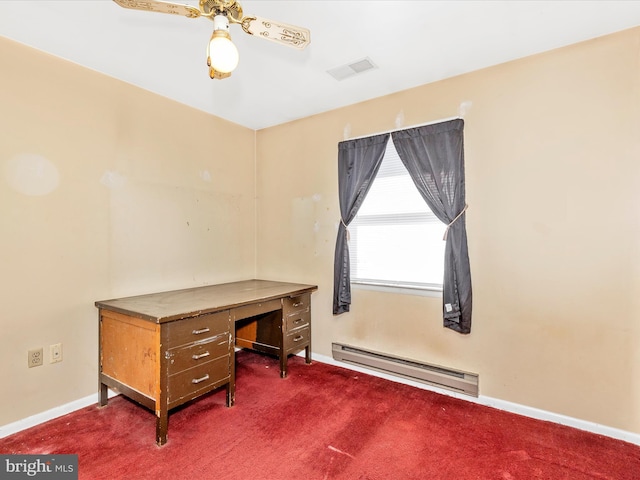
(164, 349)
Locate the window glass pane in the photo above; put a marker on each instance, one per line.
(401, 253)
(395, 239)
(395, 194)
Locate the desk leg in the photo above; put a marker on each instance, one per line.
(231, 395)
(162, 424)
(307, 354)
(283, 365)
(307, 350)
(231, 386)
(103, 395)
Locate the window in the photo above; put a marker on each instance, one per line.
(395, 240)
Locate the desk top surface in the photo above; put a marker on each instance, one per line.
(176, 304)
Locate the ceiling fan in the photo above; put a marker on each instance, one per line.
(222, 54)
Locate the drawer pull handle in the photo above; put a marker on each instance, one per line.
(298, 338)
(297, 321)
(201, 379)
(202, 355)
(298, 304)
(201, 331)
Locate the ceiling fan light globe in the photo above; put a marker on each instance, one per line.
(223, 54)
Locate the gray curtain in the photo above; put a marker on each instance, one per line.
(358, 163)
(434, 157)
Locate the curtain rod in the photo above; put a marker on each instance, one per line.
(406, 128)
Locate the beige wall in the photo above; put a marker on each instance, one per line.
(106, 190)
(553, 184)
(132, 193)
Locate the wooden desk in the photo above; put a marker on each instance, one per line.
(164, 349)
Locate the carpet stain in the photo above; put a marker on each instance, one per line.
(334, 449)
(518, 455)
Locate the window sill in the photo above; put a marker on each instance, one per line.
(404, 290)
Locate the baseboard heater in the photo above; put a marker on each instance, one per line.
(458, 381)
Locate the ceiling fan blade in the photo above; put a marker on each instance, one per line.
(161, 7)
(278, 32)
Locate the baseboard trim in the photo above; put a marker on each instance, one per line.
(32, 421)
(498, 404)
(37, 419)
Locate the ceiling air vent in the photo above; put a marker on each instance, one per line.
(354, 68)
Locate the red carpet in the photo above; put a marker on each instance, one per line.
(325, 422)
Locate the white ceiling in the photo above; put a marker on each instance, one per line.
(411, 42)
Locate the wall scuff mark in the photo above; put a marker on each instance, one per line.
(113, 179)
(32, 174)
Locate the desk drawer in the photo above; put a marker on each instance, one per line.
(300, 320)
(189, 330)
(248, 311)
(189, 381)
(297, 339)
(297, 304)
(183, 358)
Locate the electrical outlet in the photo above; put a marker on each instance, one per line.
(34, 357)
(55, 353)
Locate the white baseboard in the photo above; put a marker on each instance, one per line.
(32, 421)
(497, 403)
(15, 427)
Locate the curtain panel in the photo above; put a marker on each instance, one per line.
(434, 157)
(358, 163)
